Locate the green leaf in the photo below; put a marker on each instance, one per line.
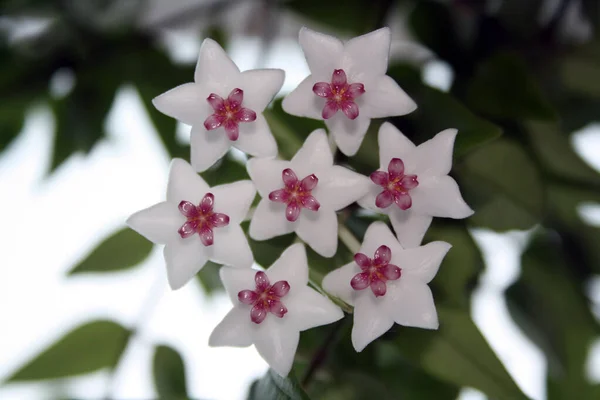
(209, 278)
(274, 387)
(123, 250)
(503, 185)
(226, 170)
(503, 88)
(88, 348)
(580, 71)
(169, 374)
(458, 354)
(12, 119)
(267, 251)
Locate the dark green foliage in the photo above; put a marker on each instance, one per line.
(169, 374)
(272, 386)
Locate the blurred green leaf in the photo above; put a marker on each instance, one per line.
(580, 70)
(503, 87)
(518, 17)
(320, 266)
(209, 278)
(123, 250)
(504, 172)
(274, 387)
(88, 348)
(353, 18)
(225, 170)
(458, 354)
(169, 374)
(12, 119)
(267, 251)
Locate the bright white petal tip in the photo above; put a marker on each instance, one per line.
(387, 284)
(271, 308)
(412, 184)
(347, 86)
(302, 195)
(197, 223)
(224, 107)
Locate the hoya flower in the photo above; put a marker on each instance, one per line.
(197, 223)
(387, 284)
(347, 86)
(412, 185)
(271, 308)
(302, 195)
(224, 107)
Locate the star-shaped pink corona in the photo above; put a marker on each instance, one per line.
(296, 194)
(339, 94)
(266, 298)
(376, 271)
(201, 219)
(395, 184)
(228, 113)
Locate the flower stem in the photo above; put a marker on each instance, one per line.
(348, 239)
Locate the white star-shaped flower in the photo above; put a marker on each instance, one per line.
(224, 107)
(303, 194)
(347, 86)
(271, 308)
(412, 185)
(387, 284)
(197, 223)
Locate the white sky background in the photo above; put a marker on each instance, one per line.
(50, 224)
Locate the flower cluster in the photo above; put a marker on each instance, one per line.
(386, 283)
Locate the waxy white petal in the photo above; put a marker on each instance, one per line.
(291, 266)
(266, 174)
(323, 52)
(232, 331)
(410, 303)
(269, 221)
(393, 144)
(308, 309)
(184, 258)
(348, 134)
(234, 199)
(378, 234)
(370, 320)
(434, 157)
(260, 86)
(303, 102)
(421, 264)
(214, 66)
(186, 103)
(368, 54)
(439, 196)
(319, 230)
(237, 279)
(409, 226)
(337, 282)
(159, 223)
(385, 98)
(230, 247)
(206, 147)
(256, 138)
(341, 187)
(277, 343)
(185, 183)
(314, 157)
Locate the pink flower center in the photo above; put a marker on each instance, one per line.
(228, 113)
(396, 185)
(266, 298)
(201, 219)
(339, 94)
(376, 271)
(296, 194)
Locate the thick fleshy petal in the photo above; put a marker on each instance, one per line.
(308, 309)
(310, 203)
(234, 199)
(356, 90)
(207, 202)
(277, 344)
(391, 272)
(409, 226)
(319, 231)
(409, 181)
(256, 138)
(236, 280)
(289, 178)
(279, 196)
(348, 133)
(207, 147)
(371, 320)
(393, 144)
(395, 168)
(232, 330)
(232, 130)
(236, 97)
(378, 234)
(383, 255)
(280, 288)
(384, 199)
(367, 55)
(186, 103)
(379, 178)
(266, 174)
(422, 263)
(188, 209)
(341, 187)
(185, 183)
(213, 122)
(309, 182)
(292, 267)
(258, 313)
(384, 98)
(350, 109)
(338, 78)
(403, 200)
(322, 52)
(261, 280)
(184, 258)
(292, 211)
(214, 66)
(322, 89)
(219, 220)
(207, 236)
(230, 247)
(329, 110)
(337, 282)
(439, 196)
(269, 221)
(216, 102)
(360, 281)
(247, 296)
(314, 157)
(188, 229)
(278, 309)
(303, 102)
(378, 287)
(434, 157)
(410, 303)
(158, 224)
(362, 261)
(260, 87)
(245, 115)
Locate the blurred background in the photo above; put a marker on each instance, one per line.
(85, 311)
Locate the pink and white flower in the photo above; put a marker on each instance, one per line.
(412, 185)
(387, 284)
(302, 195)
(224, 107)
(271, 308)
(197, 223)
(347, 86)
